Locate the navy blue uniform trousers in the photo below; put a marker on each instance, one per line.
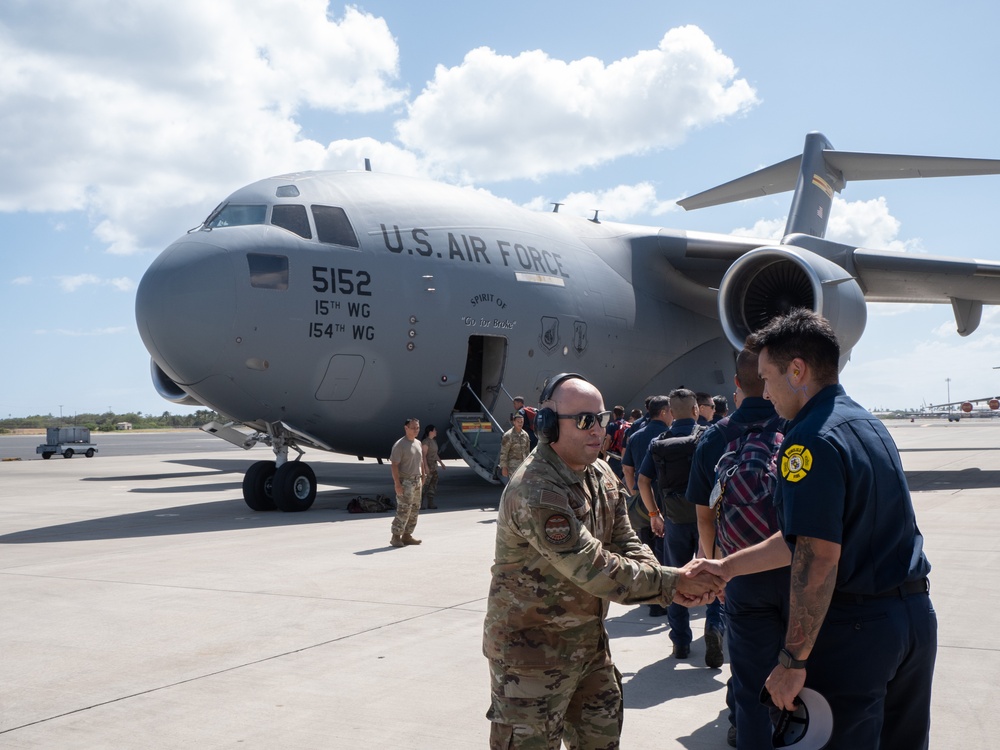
(680, 542)
(874, 662)
(757, 619)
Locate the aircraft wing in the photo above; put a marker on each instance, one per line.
(904, 277)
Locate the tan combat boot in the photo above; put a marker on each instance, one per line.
(396, 541)
(409, 539)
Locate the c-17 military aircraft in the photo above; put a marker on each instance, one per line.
(321, 309)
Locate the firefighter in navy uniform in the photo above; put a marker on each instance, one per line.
(862, 630)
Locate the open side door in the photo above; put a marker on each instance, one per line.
(474, 431)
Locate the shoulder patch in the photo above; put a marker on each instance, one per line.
(796, 461)
(558, 529)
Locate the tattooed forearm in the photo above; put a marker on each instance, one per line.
(814, 575)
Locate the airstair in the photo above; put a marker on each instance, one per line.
(476, 436)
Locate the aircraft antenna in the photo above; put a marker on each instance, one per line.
(595, 219)
(555, 207)
(368, 164)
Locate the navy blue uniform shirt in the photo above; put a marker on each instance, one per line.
(638, 444)
(841, 480)
(679, 428)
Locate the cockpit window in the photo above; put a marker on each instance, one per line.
(236, 215)
(268, 271)
(333, 226)
(293, 218)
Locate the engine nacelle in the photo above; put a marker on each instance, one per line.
(168, 389)
(770, 281)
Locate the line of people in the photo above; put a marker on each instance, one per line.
(793, 511)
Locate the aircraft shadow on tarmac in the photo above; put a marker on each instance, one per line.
(458, 489)
(458, 486)
(972, 478)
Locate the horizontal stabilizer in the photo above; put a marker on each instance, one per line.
(851, 165)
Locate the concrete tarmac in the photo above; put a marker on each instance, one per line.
(145, 606)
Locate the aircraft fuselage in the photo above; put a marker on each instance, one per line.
(341, 303)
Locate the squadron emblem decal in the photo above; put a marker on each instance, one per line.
(558, 529)
(796, 462)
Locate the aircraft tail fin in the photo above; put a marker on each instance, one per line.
(820, 171)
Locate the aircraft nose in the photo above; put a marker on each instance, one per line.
(184, 308)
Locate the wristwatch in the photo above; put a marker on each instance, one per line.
(788, 661)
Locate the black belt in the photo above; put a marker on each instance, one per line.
(908, 588)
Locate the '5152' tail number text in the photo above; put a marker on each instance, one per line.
(341, 281)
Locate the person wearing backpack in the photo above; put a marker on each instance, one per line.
(756, 605)
(614, 440)
(862, 631)
(668, 462)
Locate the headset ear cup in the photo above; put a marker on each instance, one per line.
(547, 424)
(546, 420)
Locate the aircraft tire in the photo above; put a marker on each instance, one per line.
(294, 487)
(68, 453)
(258, 483)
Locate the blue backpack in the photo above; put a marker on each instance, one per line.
(746, 476)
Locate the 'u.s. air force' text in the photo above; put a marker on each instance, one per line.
(472, 249)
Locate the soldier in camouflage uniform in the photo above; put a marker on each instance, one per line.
(564, 548)
(408, 470)
(515, 445)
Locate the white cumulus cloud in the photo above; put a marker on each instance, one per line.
(73, 283)
(136, 111)
(620, 203)
(865, 224)
(499, 117)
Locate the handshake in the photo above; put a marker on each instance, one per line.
(698, 583)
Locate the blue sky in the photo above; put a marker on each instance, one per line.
(124, 123)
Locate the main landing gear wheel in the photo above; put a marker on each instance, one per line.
(294, 487)
(258, 486)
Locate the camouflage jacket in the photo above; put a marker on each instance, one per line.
(564, 548)
(514, 448)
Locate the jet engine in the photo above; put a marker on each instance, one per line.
(769, 281)
(168, 389)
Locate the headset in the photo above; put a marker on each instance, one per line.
(546, 419)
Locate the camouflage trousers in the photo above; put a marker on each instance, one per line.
(430, 490)
(407, 507)
(538, 708)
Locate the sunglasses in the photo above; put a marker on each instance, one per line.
(587, 419)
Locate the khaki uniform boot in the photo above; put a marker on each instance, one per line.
(408, 539)
(431, 505)
(396, 541)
